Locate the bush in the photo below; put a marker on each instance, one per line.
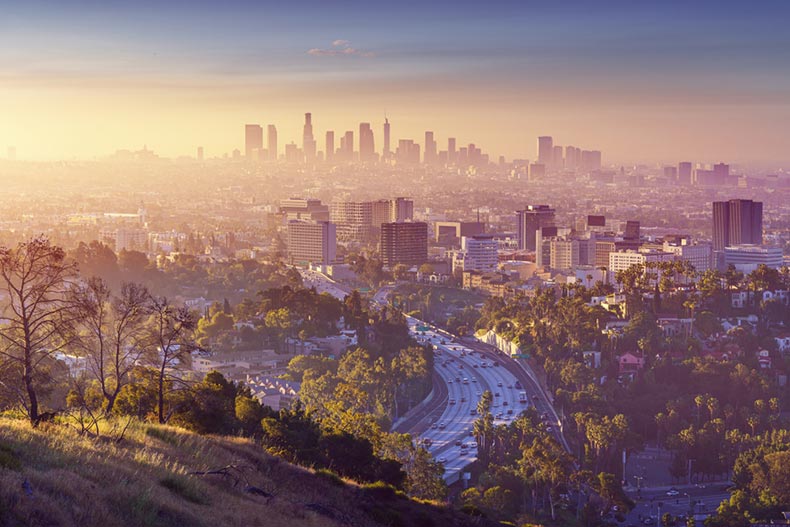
(9, 459)
(184, 488)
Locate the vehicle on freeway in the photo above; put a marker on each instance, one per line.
(504, 403)
(472, 412)
(442, 426)
(434, 426)
(442, 460)
(517, 385)
(463, 399)
(452, 401)
(549, 429)
(673, 492)
(522, 397)
(458, 442)
(499, 384)
(510, 411)
(427, 441)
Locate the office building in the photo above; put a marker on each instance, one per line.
(308, 142)
(253, 141)
(684, 173)
(700, 255)
(330, 145)
(271, 142)
(537, 171)
(671, 174)
(354, 220)
(200, 153)
(623, 260)
(367, 150)
(545, 150)
(386, 153)
(632, 230)
(747, 257)
(737, 222)
(404, 243)
(591, 160)
(557, 160)
(572, 157)
(451, 153)
(346, 152)
(430, 149)
(478, 253)
(408, 152)
(529, 220)
(308, 209)
(449, 233)
(311, 242)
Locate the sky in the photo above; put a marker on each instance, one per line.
(704, 81)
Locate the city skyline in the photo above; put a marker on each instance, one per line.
(642, 83)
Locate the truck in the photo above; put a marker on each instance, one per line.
(522, 397)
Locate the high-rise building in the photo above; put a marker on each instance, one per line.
(451, 153)
(308, 142)
(354, 220)
(572, 157)
(632, 230)
(366, 147)
(253, 141)
(404, 242)
(309, 209)
(347, 146)
(747, 257)
(478, 253)
(330, 145)
(737, 222)
(591, 159)
(271, 141)
(556, 158)
(684, 173)
(408, 152)
(537, 171)
(545, 150)
(200, 153)
(385, 153)
(430, 148)
(401, 209)
(311, 242)
(529, 220)
(671, 173)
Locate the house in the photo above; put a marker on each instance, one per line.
(273, 392)
(675, 327)
(783, 343)
(630, 364)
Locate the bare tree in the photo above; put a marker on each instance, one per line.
(112, 333)
(170, 339)
(36, 317)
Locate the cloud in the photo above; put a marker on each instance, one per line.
(340, 48)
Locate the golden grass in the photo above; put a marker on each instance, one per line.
(53, 476)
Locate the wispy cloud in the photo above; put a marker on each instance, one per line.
(340, 48)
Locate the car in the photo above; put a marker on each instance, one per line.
(450, 381)
(549, 429)
(648, 521)
(504, 403)
(510, 411)
(535, 397)
(673, 492)
(472, 412)
(458, 442)
(474, 380)
(509, 386)
(463, 399)
(479, 394)
(475, 365)
(442, 426)
(442, 460)
(452, 401)
(434, 426)
(499, 384)
(497, 394)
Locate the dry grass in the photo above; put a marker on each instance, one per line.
(52, 476)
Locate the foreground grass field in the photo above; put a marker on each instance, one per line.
(164, 476)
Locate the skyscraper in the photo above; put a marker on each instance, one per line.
(684, 173)
(200, 153)
(404, 242)
(272, 142)
(385, 154)
(366, 146)
(532, 218)
(308, 142)
(330, 145)
(430, 148)
(347, 146)
(737, 222)
(253, 140)
(545, 150)
(556, 157)
(671, 173)
(451, 153)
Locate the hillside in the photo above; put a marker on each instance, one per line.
(157, 476)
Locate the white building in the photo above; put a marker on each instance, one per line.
(312, 242)
(623, 260)
(746, 258)
(478, 253)
(700, 255)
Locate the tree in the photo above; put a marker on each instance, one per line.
(38, 318)
(111, 332)
(170, 343)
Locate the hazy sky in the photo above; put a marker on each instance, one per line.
(697, 80)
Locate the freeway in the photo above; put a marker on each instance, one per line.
(701, 500)
(446, 430)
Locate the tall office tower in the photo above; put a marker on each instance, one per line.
(721, 172)
(529, 220)
(684, 173)
(308, 143)
(312, 242)
(271, 142)
(545, 150)
(330, 145)
(200, 153)
(572, 155)
(386, 152)
(253, 140)
(737, 222)
(366, 148)
(591, 159)
(309, 209)
(407, 152)
(537, 171)
(347, 146)
(401, 209)
(556, 157)
(404, 242)
(671, 173)
(451, 153)
(430, 149)
(632, 230)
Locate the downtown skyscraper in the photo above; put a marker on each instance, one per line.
(308, 142)
(737, 222)
(253, 141)
(367, 150)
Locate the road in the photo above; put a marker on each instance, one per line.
(464, 369)
(702, 500)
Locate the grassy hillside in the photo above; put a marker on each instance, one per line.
(163, 476)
